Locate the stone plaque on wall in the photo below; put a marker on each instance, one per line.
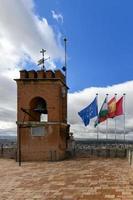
(38, 131)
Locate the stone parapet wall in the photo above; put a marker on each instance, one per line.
(99, 152)
(42, 74)
(8, 152)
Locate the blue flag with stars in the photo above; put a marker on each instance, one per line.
(89, 112)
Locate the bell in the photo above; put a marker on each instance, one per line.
(40, 108)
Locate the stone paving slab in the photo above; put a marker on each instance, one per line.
(78, 179)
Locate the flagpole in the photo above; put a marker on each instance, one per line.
(115, 120)
(65, 42)
(97, 124)
(106, 123)
(124, 95)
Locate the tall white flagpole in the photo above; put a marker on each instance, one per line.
(106, 121)
(115, 122)
(124, 97)
(97, 124)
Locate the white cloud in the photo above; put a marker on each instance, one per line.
(22, 35)
(57, 16)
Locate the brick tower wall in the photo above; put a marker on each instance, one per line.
(51, 87)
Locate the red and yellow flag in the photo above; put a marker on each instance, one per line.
(112, 108)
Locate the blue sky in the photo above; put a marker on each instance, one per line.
(100, 39)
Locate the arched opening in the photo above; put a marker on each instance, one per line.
(38, 110)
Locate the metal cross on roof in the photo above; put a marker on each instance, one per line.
(43, 51)
(42, 60)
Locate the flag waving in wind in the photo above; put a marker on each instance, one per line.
(112, 108)
(103, 113)
(89, 112)
(119, 107)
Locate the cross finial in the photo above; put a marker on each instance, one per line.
(43, 51)
(41, 61)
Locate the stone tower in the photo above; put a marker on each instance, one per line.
(42, 128)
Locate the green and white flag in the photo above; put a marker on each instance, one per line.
(103, 113)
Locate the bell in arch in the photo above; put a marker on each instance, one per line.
(41, 107)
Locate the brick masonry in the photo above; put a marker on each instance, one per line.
(51, 87)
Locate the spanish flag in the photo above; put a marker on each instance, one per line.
(112, 108)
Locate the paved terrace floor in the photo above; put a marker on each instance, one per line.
(78, 179)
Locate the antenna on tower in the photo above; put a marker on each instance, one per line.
(64, 68)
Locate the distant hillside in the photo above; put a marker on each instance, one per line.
(102, 141)
(7, 140)
(8, 137)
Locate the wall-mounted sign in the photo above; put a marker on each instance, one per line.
(38, 131)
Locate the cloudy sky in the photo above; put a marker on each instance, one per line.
(99, 56)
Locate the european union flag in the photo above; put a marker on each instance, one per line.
(89, 112)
